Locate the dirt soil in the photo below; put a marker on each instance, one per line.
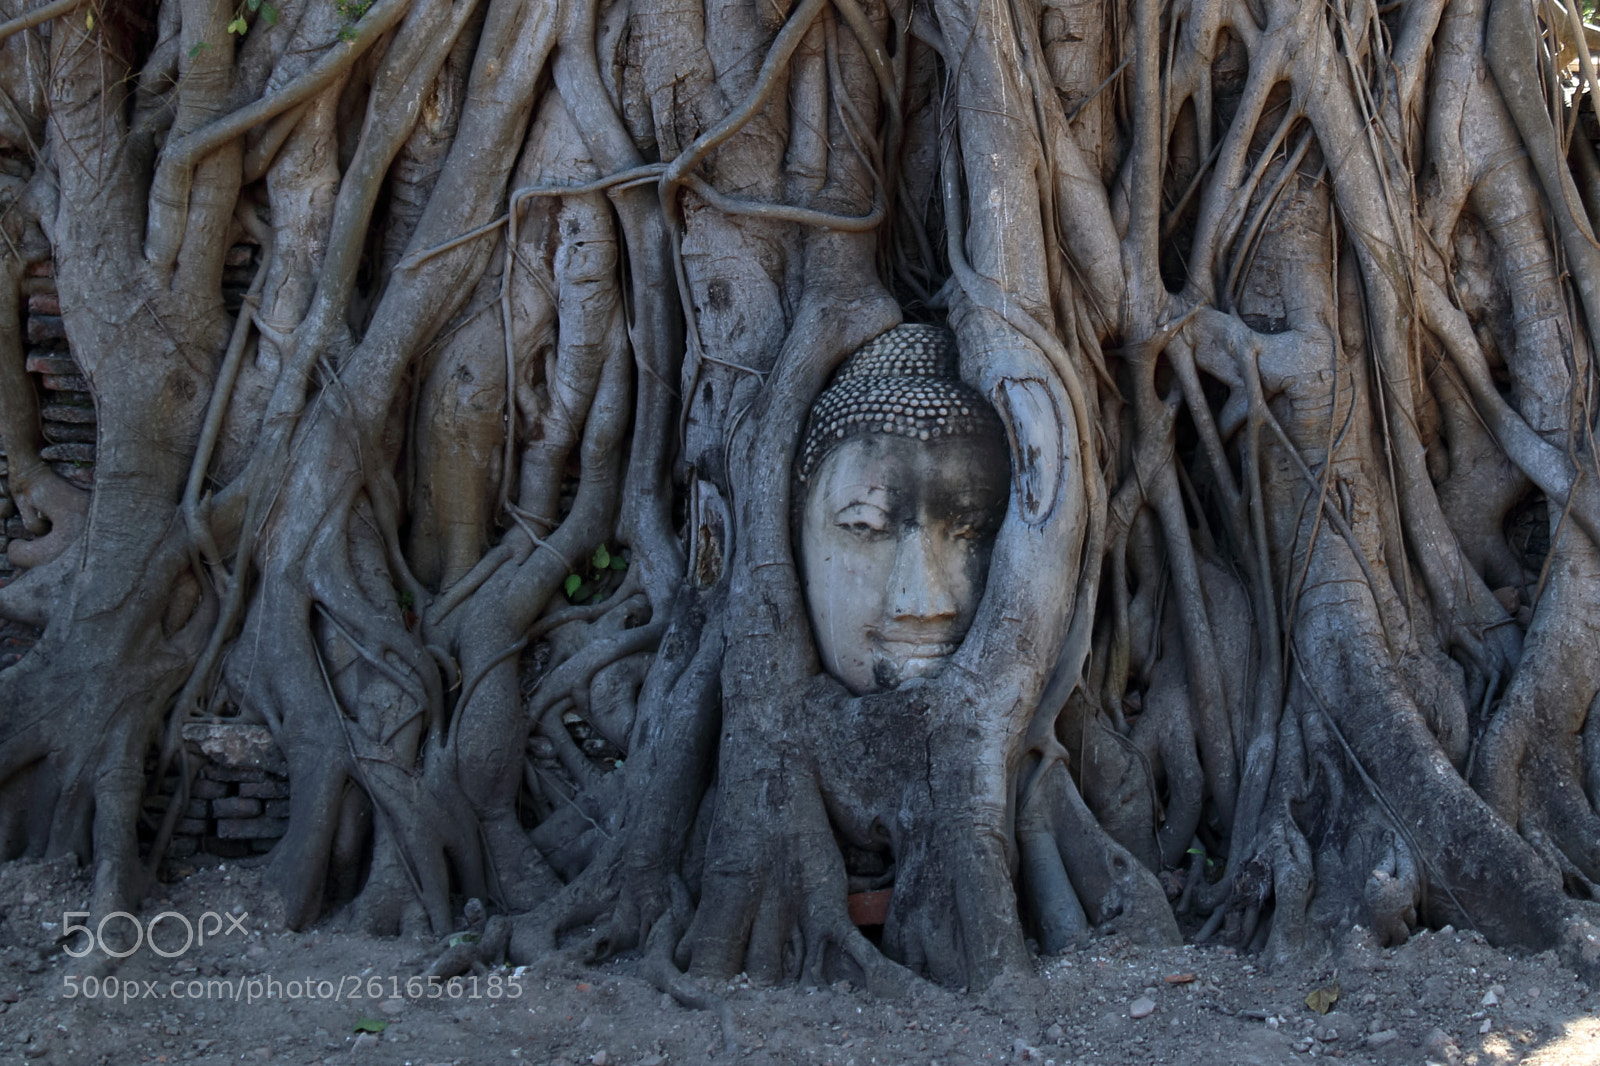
(255, 993)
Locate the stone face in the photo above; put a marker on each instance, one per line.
(251, 828)
(235, 746)
(895, 553)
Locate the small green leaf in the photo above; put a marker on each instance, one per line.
(597, 597)
(239, 26)
(253, 5)
(572, 583)
(618, 563)
(371, 1025)
(347, 34)
(458, 939)
(197, 49)
(88, 21)
(602, 558)
(269, 13)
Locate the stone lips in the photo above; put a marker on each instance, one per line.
(903, 382)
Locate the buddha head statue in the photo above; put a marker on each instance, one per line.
(903, 480)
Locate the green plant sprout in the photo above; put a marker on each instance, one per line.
(352, 12)
(241, 26)
(582, 584)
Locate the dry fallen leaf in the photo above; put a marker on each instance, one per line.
(1179, 978)
(1322, 999)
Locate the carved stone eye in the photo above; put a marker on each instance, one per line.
(863, 519)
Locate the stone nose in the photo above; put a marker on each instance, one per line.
(920, 587)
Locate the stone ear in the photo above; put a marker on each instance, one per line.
(1038, 453)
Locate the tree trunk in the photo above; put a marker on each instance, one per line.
(483, 500)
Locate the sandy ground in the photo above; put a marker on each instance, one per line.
(253, 993)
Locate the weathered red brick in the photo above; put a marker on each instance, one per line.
(62, 412)
(235, 807)
(68, 453)
(205, 788)
(42, 328)
(251, 828)
(270, 789)
(52, 363)
(66, 383)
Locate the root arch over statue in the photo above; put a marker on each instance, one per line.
(486, 501)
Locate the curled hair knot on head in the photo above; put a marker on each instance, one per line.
(903, 382)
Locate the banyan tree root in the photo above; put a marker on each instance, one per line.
(481, 499)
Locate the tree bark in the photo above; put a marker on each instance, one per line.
(482, 500)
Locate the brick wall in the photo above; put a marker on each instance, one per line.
(15, 639)
(68, 414)
(65, 407)
(239, 799)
